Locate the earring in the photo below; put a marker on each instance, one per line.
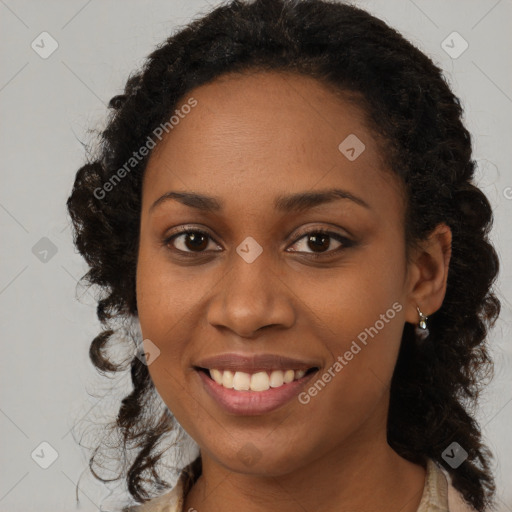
(421, 329)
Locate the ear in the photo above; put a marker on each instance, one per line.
(428, 274)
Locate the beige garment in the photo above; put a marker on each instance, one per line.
(438, 494)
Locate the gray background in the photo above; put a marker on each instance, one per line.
(47, 106)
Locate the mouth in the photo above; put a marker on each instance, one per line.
(256, 390)
(256, 381)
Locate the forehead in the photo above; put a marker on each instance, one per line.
(263, 133)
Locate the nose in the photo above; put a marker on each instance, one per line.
(251, 296)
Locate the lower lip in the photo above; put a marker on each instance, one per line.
(251, 403)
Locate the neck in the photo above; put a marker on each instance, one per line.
(370, 477)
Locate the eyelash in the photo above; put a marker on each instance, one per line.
(346, 243)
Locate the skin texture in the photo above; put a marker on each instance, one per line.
(250, 139)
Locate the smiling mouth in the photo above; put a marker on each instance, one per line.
(256, 381)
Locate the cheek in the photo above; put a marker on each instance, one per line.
(363, 342)
(159, 314)
(360, 316)
(163, 297)
(354, 298)
(167, 303)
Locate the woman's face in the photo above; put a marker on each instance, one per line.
(251, 286)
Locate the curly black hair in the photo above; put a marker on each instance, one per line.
(417, 118)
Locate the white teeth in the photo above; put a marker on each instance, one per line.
(242, 381)
(216, 375)
(276, 379)
(289, 375)
(227, 379)
(259, 381)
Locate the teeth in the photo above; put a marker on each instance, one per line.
(289, 375)
(227, 379)
(299, 374)
(216, 375)
(276, 379)
(242, 381)
(259, 381)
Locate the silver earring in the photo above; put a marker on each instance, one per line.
(421, 328)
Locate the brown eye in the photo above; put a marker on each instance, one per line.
(189, 241)
(319, 241)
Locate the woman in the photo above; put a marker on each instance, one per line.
(282, 202)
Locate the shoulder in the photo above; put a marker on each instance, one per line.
(439, 494)
(456, 502)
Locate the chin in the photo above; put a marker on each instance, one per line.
(254, 459)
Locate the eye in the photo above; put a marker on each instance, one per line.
(189, 241)
(320, 239)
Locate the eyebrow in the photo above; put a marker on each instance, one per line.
(286, 203)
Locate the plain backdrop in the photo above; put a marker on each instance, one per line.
(47, 107)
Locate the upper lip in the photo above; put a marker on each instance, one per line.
(254, 362)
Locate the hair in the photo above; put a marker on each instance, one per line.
(412, 111)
